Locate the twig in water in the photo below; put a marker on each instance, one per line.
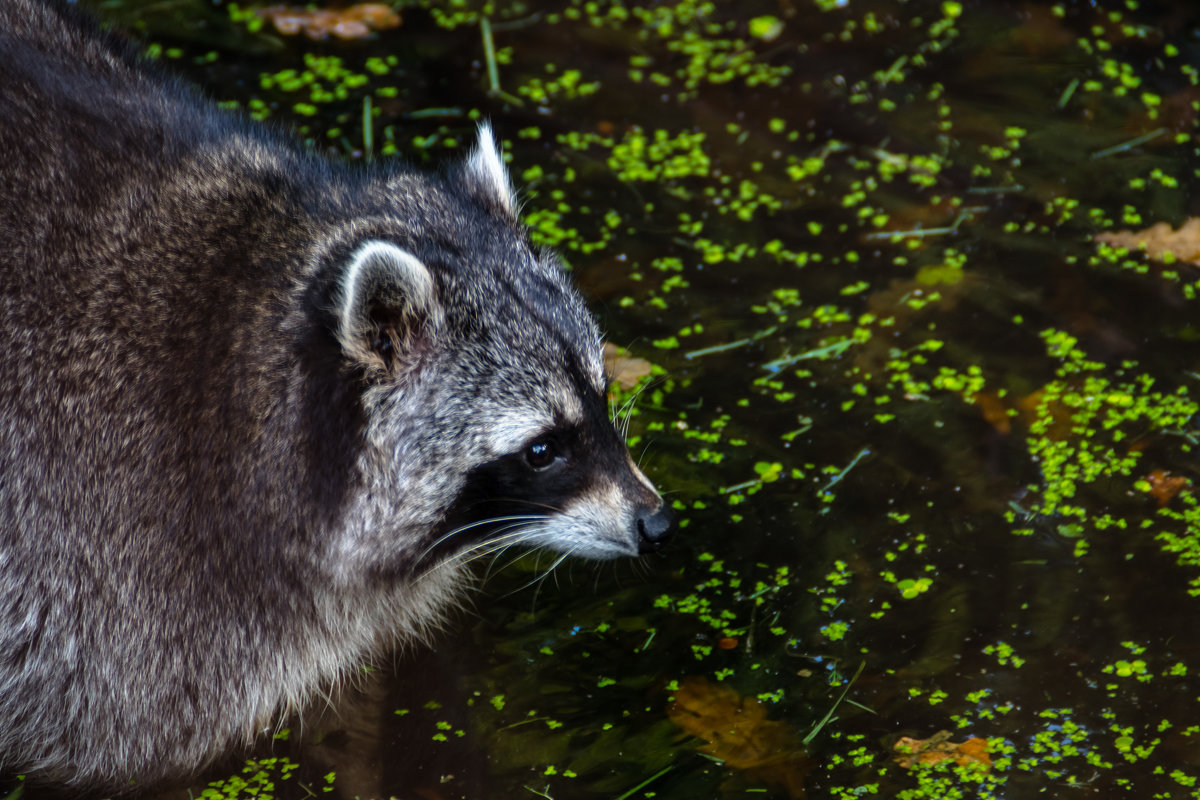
(1066, 95)
(963, 216)
(829, 715)
(493, 69)
(368, 123)
(829, 350)
(645, 783)
(1132, 143)
(866, 451)
(721, 348)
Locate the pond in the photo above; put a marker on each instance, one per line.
(905, 297)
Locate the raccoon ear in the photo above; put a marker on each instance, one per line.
(386, 300)
(485, 175)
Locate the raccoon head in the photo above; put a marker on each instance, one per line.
(484, 387)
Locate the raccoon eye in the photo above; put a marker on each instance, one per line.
(541, 454)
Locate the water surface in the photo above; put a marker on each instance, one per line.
(931, 425)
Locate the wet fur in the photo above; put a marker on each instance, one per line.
(233, 463)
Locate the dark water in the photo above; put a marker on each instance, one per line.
(935, 444)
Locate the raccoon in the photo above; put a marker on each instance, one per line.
(258, 410)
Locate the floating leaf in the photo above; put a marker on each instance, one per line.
(937, 748)
(910, 588)
(1164, 485)
(352, 22)
(626, 370)
(768, 472)
(738, 732)
(994, 411)
(766, 28)
(1160, 242)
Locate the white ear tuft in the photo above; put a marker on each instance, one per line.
(485, 169)
(386, 295)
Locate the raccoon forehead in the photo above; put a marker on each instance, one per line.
(594, 363)
(508, 429)
(573, 341)
(586, 344)
(522, 319)
(570, 319)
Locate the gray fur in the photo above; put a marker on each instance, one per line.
(257, 410)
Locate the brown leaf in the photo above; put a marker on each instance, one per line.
(1164, 486)
(937, 748)
(738, 732)
(994, 411)
(1061, 422)
(1160, 240)
(1041, 33)
(353, 22)
(623, 368)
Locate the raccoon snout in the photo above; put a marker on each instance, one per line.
(654, 528)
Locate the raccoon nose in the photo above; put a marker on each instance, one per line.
(654, 529)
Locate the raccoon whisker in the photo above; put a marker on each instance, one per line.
(491, 548)
(553, 570)
(537, 591)
(518, 518)
(324, 695)
(513, 560)
(633, 398)
(521, 531)
(497, 549)
(462, 528)
(475, 554)
(624, 414)
(544, 574)
(627, 419)
(621, 415)
(504, 536)
(498, 554)
(565, 557)
(537, 566)
(614, 411)
(642, 455)
(494, 550)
